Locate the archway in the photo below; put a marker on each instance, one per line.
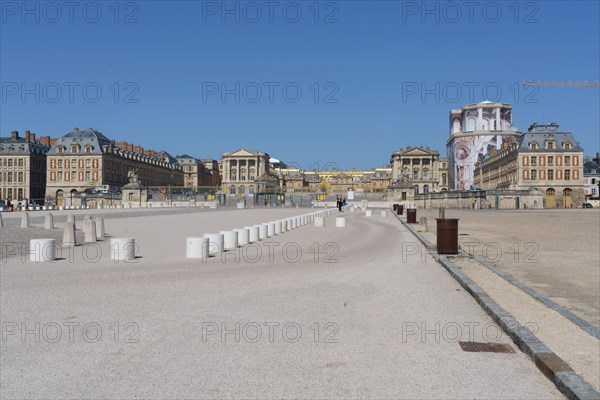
(568, 198)
(550, 198)
(60, 198)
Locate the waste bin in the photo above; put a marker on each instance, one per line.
(400, 209)
(395, 207)
(447, 236)
(411, 216)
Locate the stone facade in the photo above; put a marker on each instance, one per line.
(82, 160)
(421, 167)
(246, 173)
(545, 159)
(23, 167)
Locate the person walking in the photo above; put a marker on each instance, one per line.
(339, 204)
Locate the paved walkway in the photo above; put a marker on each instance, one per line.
(360, 318)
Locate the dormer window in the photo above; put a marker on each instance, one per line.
(74, 148)
(88, 149)
(550, 145)
(533, 145)
(567, 145)
(61, 150)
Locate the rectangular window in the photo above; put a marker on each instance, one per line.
(20, 162)
(567, 174)
(550, 174)
(533, 175)
(550, 160)
(567, 160)
(88, 162)
(10, 162)
(88, 176)
(20, 177)
(59, 176)
(533, 160)
(403, 196)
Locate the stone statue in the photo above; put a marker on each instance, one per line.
(133, 176)
(404, 176)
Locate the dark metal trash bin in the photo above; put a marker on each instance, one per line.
(411, 216)
(447, 236)
(395, 207)
(400, 209)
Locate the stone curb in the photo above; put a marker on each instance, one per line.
(549, 363)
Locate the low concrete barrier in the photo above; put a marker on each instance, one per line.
(215, 243)
(122, 249)
(196, 247)
(340, 222)
(42, 250)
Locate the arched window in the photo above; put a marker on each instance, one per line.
(232, 190)
(416, 189)
(444, 179)
(425, 188)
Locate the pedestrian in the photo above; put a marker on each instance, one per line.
(339, 204)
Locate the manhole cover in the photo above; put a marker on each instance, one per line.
(478, 347)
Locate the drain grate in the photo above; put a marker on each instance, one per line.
(478, 347)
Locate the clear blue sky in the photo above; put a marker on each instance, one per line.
(171, 58)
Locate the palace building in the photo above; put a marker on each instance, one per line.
(82, 160)
(421, 167)
(544, 159)
(23, 162)
(247, 172)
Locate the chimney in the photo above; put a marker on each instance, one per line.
(32, 136)
(14, 135)
(28, 136)
(45, 140)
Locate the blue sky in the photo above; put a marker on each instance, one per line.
(153, 73)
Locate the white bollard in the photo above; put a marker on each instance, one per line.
(384, 213)
(262, 231)
(253, 233)
(277, 227)
(294, 226)
(99, 228)
(71, 219)
(270, 229)
(288, 224)
(283, 225)
(89, 230)
(340, 222)
(49, 221)
(230, 239)
(69, 239)
(319, 222)
(368, 213)
(25, 220)
(42, 250)
(122, 249)
(215, 243)
(196, 247)
(243, 236)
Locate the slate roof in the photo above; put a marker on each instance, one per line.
(21, 146)
(89, 137)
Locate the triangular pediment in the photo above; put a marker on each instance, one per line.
(418, 152)
(242, 153)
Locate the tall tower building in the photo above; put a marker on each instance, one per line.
(475, 130)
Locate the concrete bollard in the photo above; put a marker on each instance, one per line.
(294, 226)
(49, 221)
(288, 224)
(243, 236)
(253, 233)
(277, 227)
(99, 228)
(89, 230)
(25, 220)
(215, 243)
(319, 222)
(368, 213)
(340, 222)
(1, 222)
(270, 229)
(42, 250)
(262, 231)
(122, 249)
(230, 240)
(196, 247)
(71, 219)
(384, 213)
(422, 225)
(283, 225)
(69, 239)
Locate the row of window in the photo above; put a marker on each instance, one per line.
(10, 177)
(73, 163)
(75, 148)
(551, 175)
(67, 176)
(550, 160)
(8, 194)
(550, 145)
(13, 162)
(242, 190)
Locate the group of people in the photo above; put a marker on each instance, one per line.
(10, 207)
(341, 203)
